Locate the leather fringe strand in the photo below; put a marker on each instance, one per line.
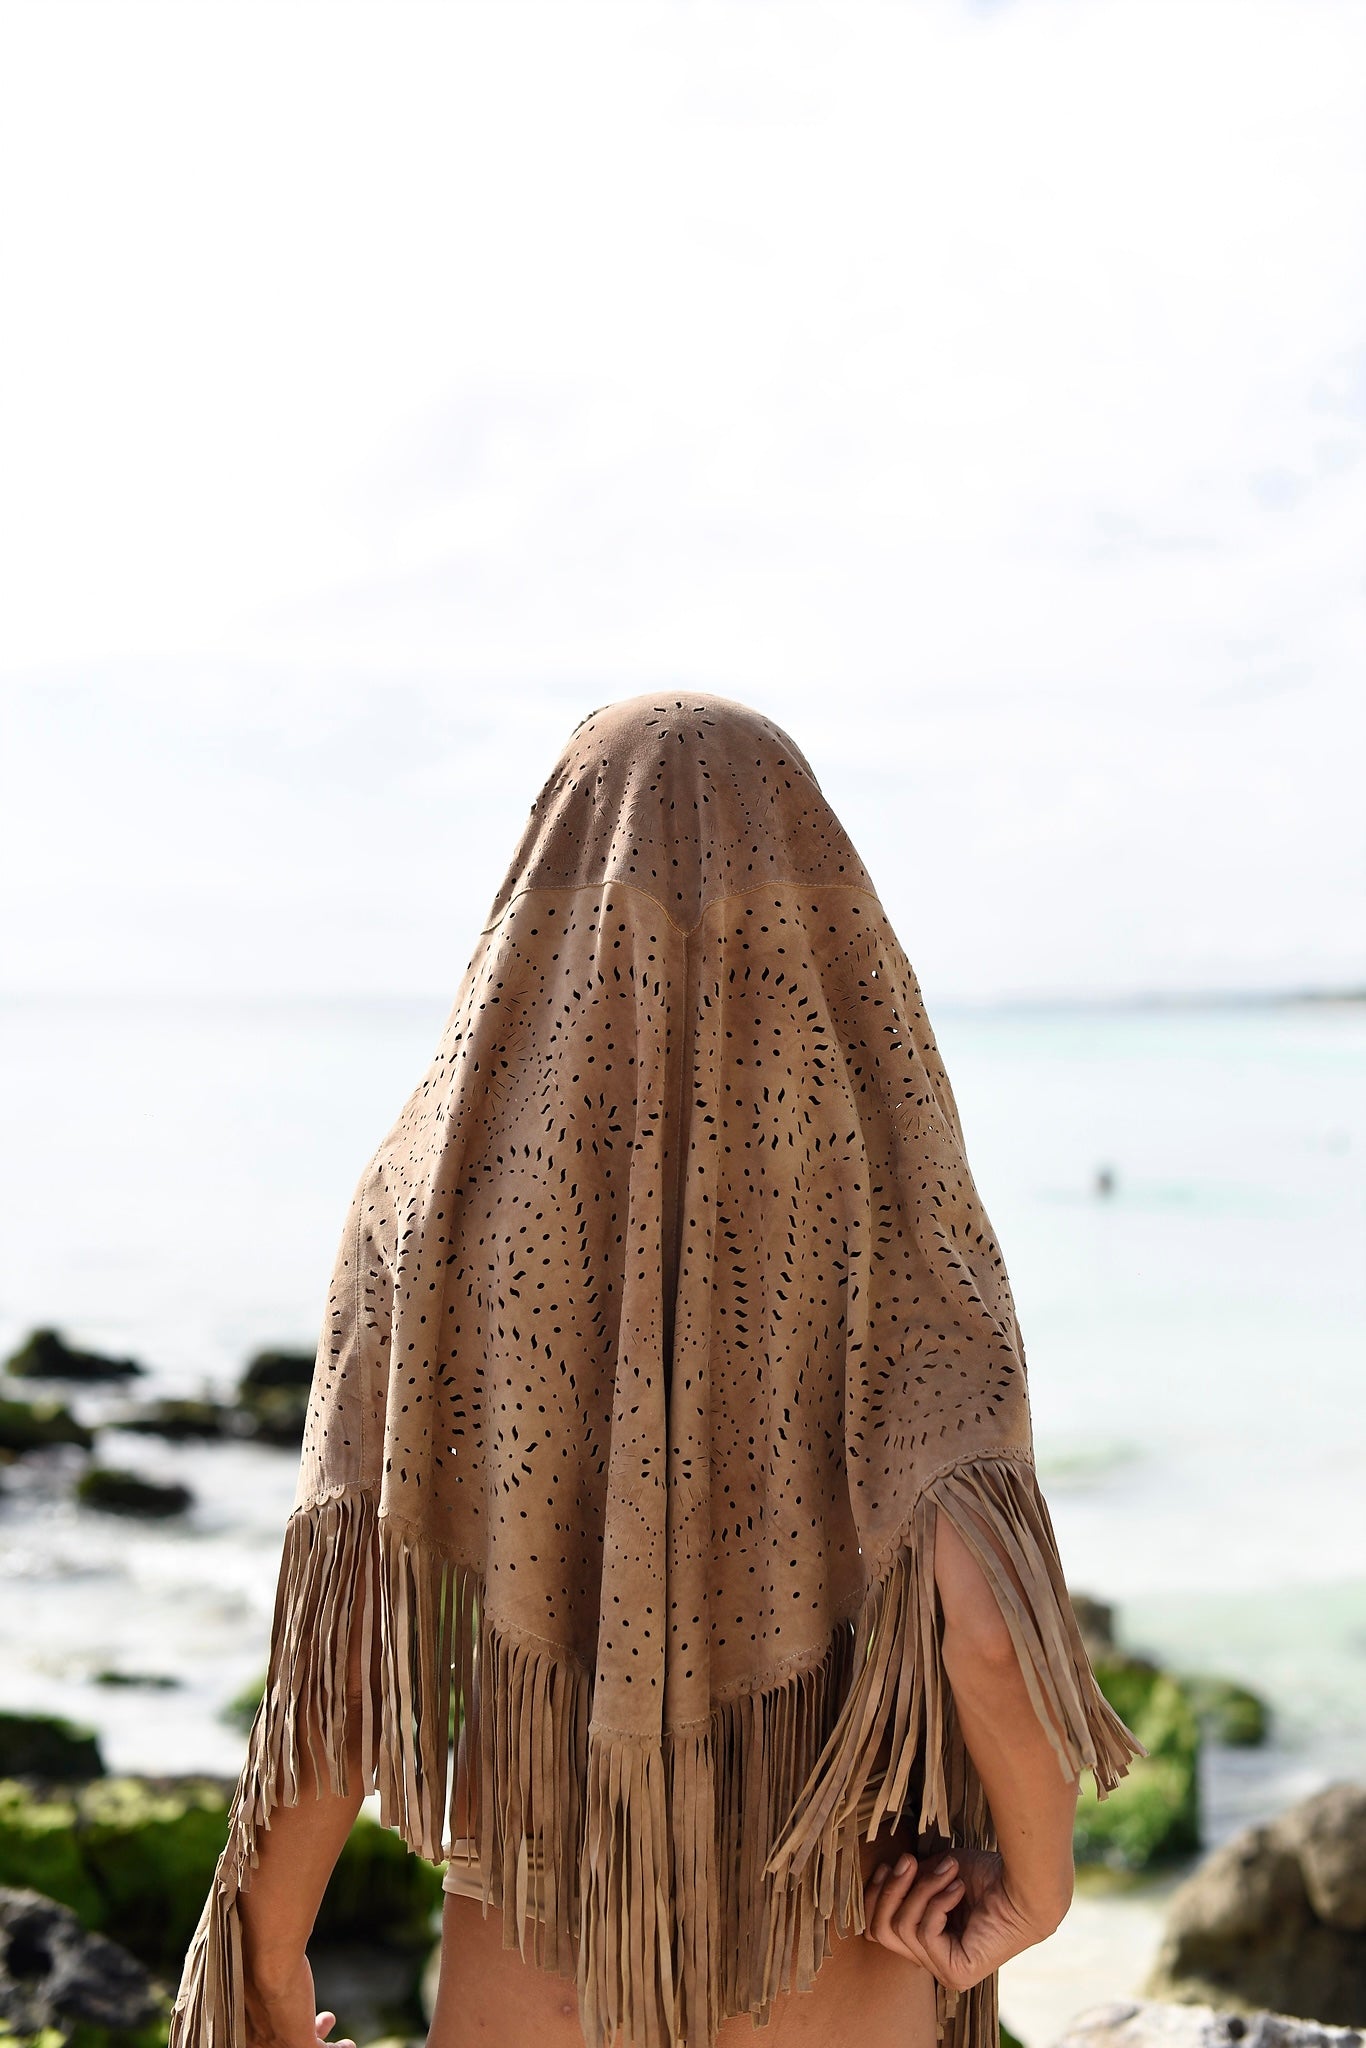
(707, 1869)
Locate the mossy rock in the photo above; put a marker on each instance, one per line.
(273, 1395)
(1096, 1620)
(127, 1493)
(380, 1891)
(45, 2037)
(240, 1710)
(183, 1421)
(273, 1369)
(39, 1850)
(47, 1747)
(45, 1355)
(132, 1857)
(135, 1857)
(153, 2036)
(1153, 1814)
(1230, 1712)
(33, 1425)
(276, 1416)
(150, 1849)
(145, 1681)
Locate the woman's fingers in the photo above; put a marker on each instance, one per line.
(895, 1901)
(937, 1896)
(322, 2026)
(885, 1890)
(931, 1936)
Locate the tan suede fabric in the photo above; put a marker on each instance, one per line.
(666, 1317)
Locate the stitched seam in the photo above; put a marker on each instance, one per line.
(880, 1561)
(356, 1323)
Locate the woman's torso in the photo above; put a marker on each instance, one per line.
(863, 1996)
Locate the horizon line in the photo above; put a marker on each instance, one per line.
(1134, 999)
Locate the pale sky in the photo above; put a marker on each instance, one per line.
(978, 390)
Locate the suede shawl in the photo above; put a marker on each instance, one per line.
(666, 1319)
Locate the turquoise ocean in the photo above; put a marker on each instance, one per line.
(175, 1178)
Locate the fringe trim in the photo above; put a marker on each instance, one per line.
(326, 1589)
(695, 1876)
(901, 1695)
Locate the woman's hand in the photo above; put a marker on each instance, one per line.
(960, 1923)
(280, 2009)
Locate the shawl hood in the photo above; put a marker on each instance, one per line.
(665, 1319)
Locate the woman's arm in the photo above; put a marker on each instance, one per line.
(297, 1854)
(1033, 1805)
(1009, 1898)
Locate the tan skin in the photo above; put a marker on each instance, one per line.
(874, 1990)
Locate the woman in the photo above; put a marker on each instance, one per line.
(670, 1436)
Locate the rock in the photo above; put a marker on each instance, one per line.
(150, 1846)
(277, 1417)
(33, 1425)
(1145, 2023)
(273, 1395)
(125, 1493)
(134, 1857)
(1153, 1814)
(381, 1892)
(1328, 1833)
(1230, 1712)
(44, 1746)
(1096, 1620)
(45, 1355)
(372, 1989)
(1274, 1917)
(290, 1369)
(184, 1421)
(55, 1974)
(150, 1681)
(1243, 1888)
(38, 1848)
(240, 1710)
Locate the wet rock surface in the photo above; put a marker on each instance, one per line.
(273, 1394)
(1275, 1918)
(116, 1492)
(36, 1425)
(53, 1973)
(46, 1746)
(1148, 2023)
(133, 1858)
(46, 1355)
(1153, 1815)
(185, 1421)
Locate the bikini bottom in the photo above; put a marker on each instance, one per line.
(465, 1878)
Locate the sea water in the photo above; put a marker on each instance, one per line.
(176, 1178)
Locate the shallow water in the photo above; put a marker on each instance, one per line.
(177, 1179)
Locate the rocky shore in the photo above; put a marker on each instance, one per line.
(113, 1871)
(101, 1881)
(267, 1407)
(1146, 2023)
(102, 1877)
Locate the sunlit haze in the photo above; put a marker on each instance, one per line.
(980, 391)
